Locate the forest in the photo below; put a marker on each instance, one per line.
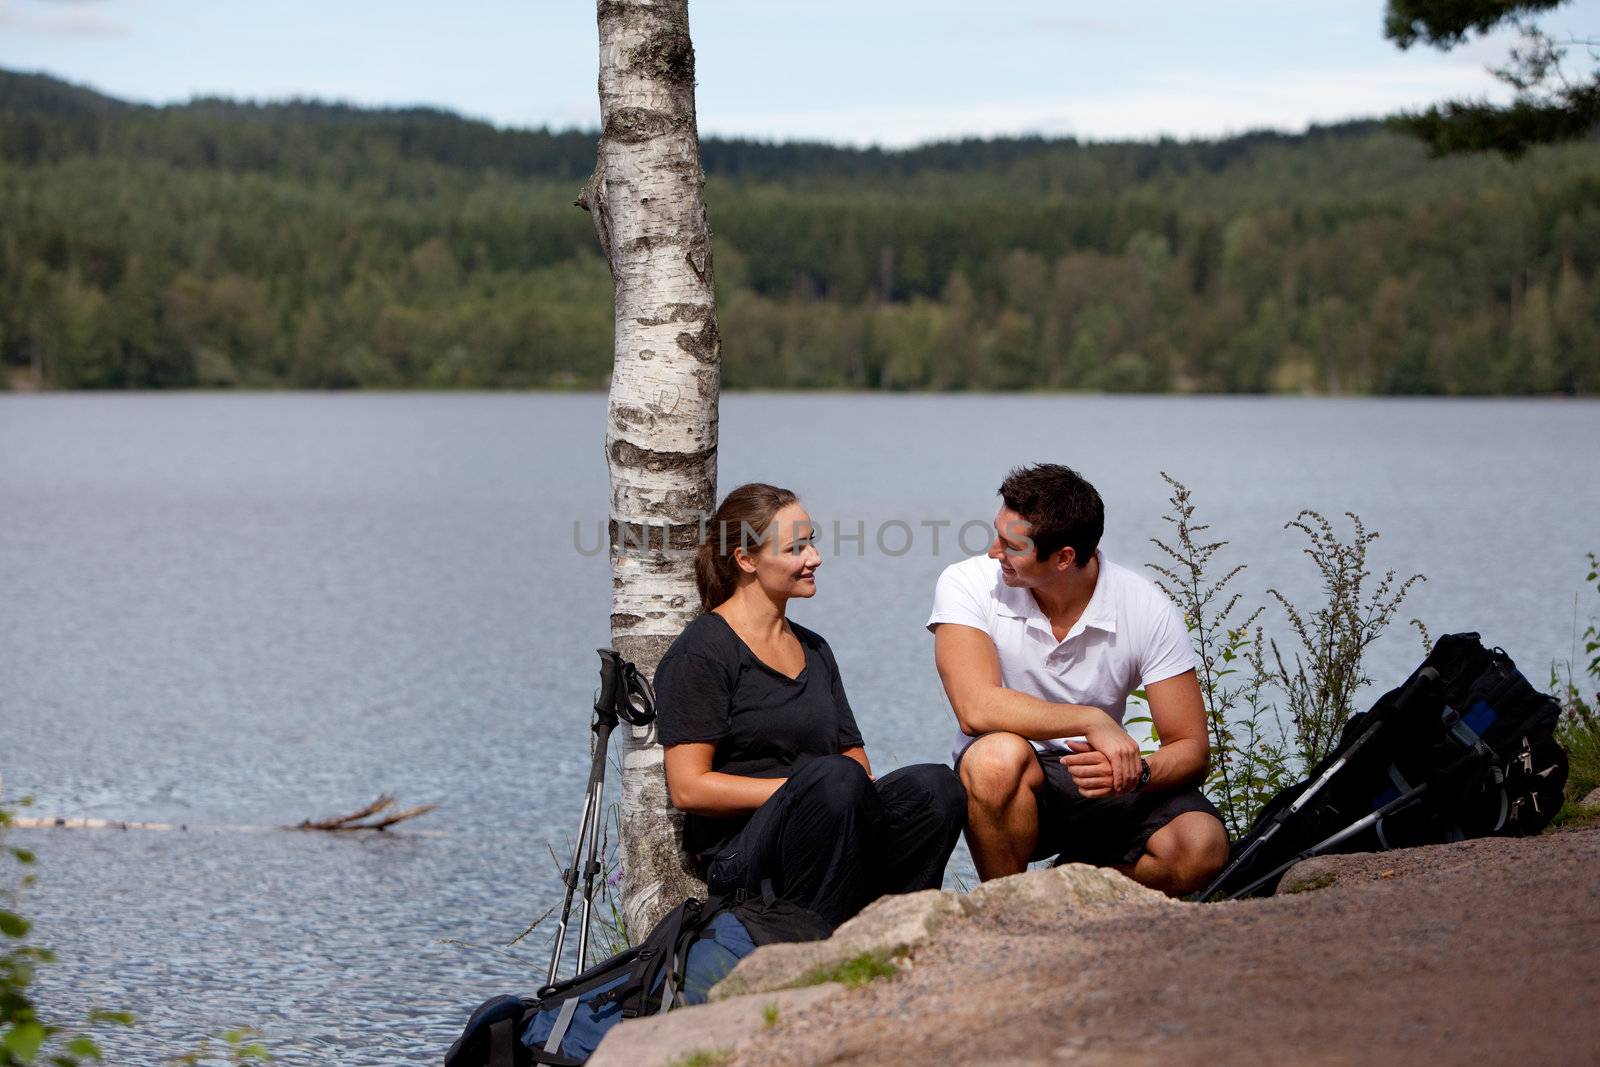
(312, 245)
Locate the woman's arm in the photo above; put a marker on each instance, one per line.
(859, 754)
(698, 790)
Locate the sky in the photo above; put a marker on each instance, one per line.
(888, 72)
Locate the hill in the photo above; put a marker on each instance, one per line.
(315, 244)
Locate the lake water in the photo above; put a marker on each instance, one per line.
(222, 610)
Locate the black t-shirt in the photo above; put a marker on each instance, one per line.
(711, 687)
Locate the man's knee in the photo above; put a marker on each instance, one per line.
(1190, 849)
(995, 766)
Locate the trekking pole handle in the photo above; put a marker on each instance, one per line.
(624, 693)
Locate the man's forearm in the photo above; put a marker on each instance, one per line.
(1176, 765)
(999, 709)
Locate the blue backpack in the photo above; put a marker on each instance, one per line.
(692, 949)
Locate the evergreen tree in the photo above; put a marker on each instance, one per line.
(1549, 105)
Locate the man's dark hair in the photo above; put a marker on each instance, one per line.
(1063, 509)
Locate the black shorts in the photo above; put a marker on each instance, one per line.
(1109, 831)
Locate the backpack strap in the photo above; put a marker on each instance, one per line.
(662, 943)
(569, 1008)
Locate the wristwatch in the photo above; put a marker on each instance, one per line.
(1144, 773)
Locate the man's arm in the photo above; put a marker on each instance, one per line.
(1179, 715)
(969, 666)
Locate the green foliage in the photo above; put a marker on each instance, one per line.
(1320, 688)
(1579, 729)
(25, 1036)
(1550, 106)
(769, 1014)
(858, 971)
(1447, 23)
(703, 1057)
(315, 246)
(1250, 760)
(1254, 753)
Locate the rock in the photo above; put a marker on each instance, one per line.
(1318, 872)
(890, 926)
(711, 1029)
(1040, 898)
(897, 925)
(1591, 802)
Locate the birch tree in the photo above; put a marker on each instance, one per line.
(647, 199)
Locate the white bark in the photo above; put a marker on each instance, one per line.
(647, 199)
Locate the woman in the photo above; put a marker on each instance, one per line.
(762, 751)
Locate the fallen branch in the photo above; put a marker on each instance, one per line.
(28, 822)
(353, 821)
(361, 819)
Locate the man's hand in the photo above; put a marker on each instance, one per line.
(1107, 764)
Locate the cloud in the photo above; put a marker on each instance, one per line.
(63, 18)
(1197, 104)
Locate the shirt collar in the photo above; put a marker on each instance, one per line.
(1099, 613)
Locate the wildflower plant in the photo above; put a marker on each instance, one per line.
(1247, 681)
(1250, 760)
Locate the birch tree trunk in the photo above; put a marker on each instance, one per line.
(647, 197)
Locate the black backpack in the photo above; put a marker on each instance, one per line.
(1467, 736)
(689, 951)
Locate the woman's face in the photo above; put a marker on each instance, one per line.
(788, 558)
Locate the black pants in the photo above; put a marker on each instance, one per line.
(833, 840)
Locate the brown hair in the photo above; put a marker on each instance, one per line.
(1064, 510)
(741, 520)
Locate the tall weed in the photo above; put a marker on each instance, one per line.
(1245, 677)
(1250, 759)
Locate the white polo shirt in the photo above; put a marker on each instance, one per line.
(1129, 636)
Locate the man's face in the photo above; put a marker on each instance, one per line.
(1020, 565)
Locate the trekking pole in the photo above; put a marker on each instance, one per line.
(623, 694)
(1448, 778)
(1400, 803)
(1425, 679)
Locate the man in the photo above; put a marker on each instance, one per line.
(1039, 644)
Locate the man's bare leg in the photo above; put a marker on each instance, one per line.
(1182, 856)
(1002, 778)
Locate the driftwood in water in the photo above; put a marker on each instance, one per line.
(27, 822)
(362, 819)
(353, 821)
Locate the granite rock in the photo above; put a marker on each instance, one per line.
(659, 1040)
(896, 926)
(890, 926)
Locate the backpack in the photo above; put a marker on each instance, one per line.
(1467, 736)
(690, 950)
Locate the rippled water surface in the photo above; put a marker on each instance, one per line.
(224, 611)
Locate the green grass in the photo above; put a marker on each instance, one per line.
(864, 968)
(703, 1057)
(769, 1014)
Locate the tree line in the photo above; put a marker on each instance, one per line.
(315, 245)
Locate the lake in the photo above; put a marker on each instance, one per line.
(246, 610)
